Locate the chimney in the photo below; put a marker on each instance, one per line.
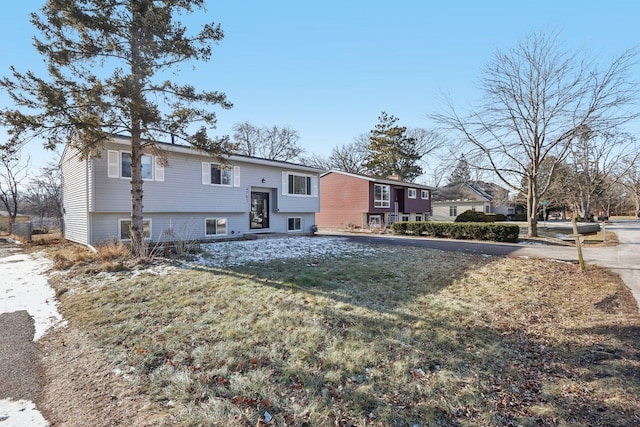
(395, 177)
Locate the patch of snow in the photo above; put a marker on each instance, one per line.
(20, 413)
(24, 286)
(233, 253)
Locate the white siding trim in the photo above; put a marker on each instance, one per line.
(285, 183)
(113, 161)
(314, 186)
(236, 176)
(158, 173)
(206, 173)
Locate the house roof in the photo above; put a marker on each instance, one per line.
(476, 191)
(379, 180)
(179, 148)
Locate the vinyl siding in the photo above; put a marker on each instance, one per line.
(441, 209)
(181, 202)
(191, 226)
(75, 193)
(182, 189)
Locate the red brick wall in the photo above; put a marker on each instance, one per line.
(343, 199)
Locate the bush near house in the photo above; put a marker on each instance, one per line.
(475, 216)
(471, 230)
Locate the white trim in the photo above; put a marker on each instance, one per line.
(158, 172)
(313, 184)
(285, 183)
(236, 176)
(422, 194)
(206, 173)
(113, 164)
(410, 191)
(383, 203)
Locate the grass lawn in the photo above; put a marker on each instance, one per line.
(381, 336)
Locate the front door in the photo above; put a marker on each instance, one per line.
(259, 216)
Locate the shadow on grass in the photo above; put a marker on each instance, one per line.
(403, 354)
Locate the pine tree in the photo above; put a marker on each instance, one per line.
(461, 173)
(107, 61)
(391, 151)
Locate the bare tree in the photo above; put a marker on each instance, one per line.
(351, 157)
(347, 158)
(538, 99)
(631, 183)
(12, 173)
(275, 143)
(43, 197)
(597, 162)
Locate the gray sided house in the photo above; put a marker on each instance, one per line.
(187, 196)
(453, 199)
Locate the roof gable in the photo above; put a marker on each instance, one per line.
(461, 192)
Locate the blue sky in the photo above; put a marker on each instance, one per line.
(328, 68)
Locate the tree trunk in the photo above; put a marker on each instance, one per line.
(137, 229)
(532, 209)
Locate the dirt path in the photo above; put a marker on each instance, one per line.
(81, 389)
(18, 357)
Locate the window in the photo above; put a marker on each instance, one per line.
(424, 194)
(119, 166)
(294, 184)
(375, 221)
(125, 229)
(215, 226)
(418, 217)
(453, 211)
(405, 218)
(411, 193)
(381, 196)
(216, 174)
(294, 224)
(147, 162)
(221, 175)
(300, 185)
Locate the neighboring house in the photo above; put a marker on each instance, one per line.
(188, 195)
(353, 200)
(453, 199)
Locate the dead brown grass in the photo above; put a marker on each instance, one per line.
(406, 337)
(110, 256)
